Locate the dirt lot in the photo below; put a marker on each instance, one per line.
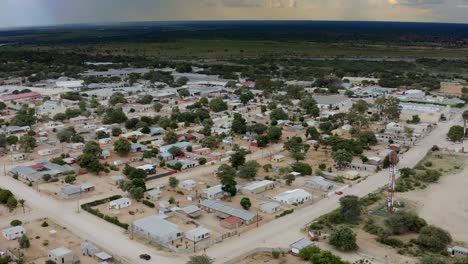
(42, 242)
(267, 258)
(444, 204)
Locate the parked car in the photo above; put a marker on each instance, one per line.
(145, 256)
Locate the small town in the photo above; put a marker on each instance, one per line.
(119, 156)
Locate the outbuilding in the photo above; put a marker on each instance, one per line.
(120, 203)
(297, 246)
(61, 255)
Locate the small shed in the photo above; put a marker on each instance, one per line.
(70, 191)
(297, 246)
(88, 249)
(153, 195)
(103, 256)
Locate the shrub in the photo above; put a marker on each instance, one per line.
(16, 222)
(44, 224)
(393, 242)
(148, 203)
(275, 254)
(342, 237)
(434, 239)
(403, 222)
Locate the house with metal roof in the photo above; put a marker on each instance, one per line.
(223, 210)
(258, 187)
(156, 228)
(192, 211)
(293, 196)
(458, 251)
(153, 195)
(123, 202)
(61, 255)
(15, 232)
(182, 145)
(198, 234)
(70, 191)
(270, 207)
(213, 193)
(40, 168)
(319, 182)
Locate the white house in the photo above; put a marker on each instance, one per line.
(61, 255)
(293, 196)
(18, 156)
(258, 187)
(104, 141)
(48, 151)
(197, 234)
(188, 185)
(120, 203)
(215, 192)
(12, 233)
(270, 207)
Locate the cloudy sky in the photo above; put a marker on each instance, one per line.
(14, 13)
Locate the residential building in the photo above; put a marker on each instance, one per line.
(153, 195)
(458, 251)
(270, 207)
(61, 255)
(69, 191)
(40, 168)
(293, 196)
(156, 228)
(223, 211)
(120, 203)
(188, 185)
(192, 211)
(88, 249)
(14, 232)
(258, 187)
(213, 193)
(319, 182)
(20, 97)
(198, 234)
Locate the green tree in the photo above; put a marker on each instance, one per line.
(201, 259)
(278, 114)
(12, 139)
(170, 138)
(343, 238)
(249, 170)
(28, 143)
(90, 162)
(312, 133)
(303, 168)
(116, 131)
(24, 242)
(122, 147)
(173, 182)
(157, 107)
(432, 260)
(137, 193)
(239, 125)
(456, 133)
(175, 151)
(226, 174)
(112, 116)
(183, 92)
(12, 203)
(360, 107)
(70, 179)
(93, 148)
(117, 98)
(310, 106)
(434, 239)
(342, 158)
(246, 96)
(24, 117)
(218, 105)
(145, 99)
(274, 134)
(238, 158)
(210, 142)
(16, 222)
(245, 203)
(350, 208)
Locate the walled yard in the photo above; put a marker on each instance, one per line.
(43, 239)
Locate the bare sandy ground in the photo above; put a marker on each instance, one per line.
(445, 204)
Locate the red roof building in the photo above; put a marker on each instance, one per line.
(20, 97)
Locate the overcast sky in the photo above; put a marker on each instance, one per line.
(14, 13)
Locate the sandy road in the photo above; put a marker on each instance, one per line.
(281, 232)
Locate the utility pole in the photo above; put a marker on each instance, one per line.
(393, 157)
